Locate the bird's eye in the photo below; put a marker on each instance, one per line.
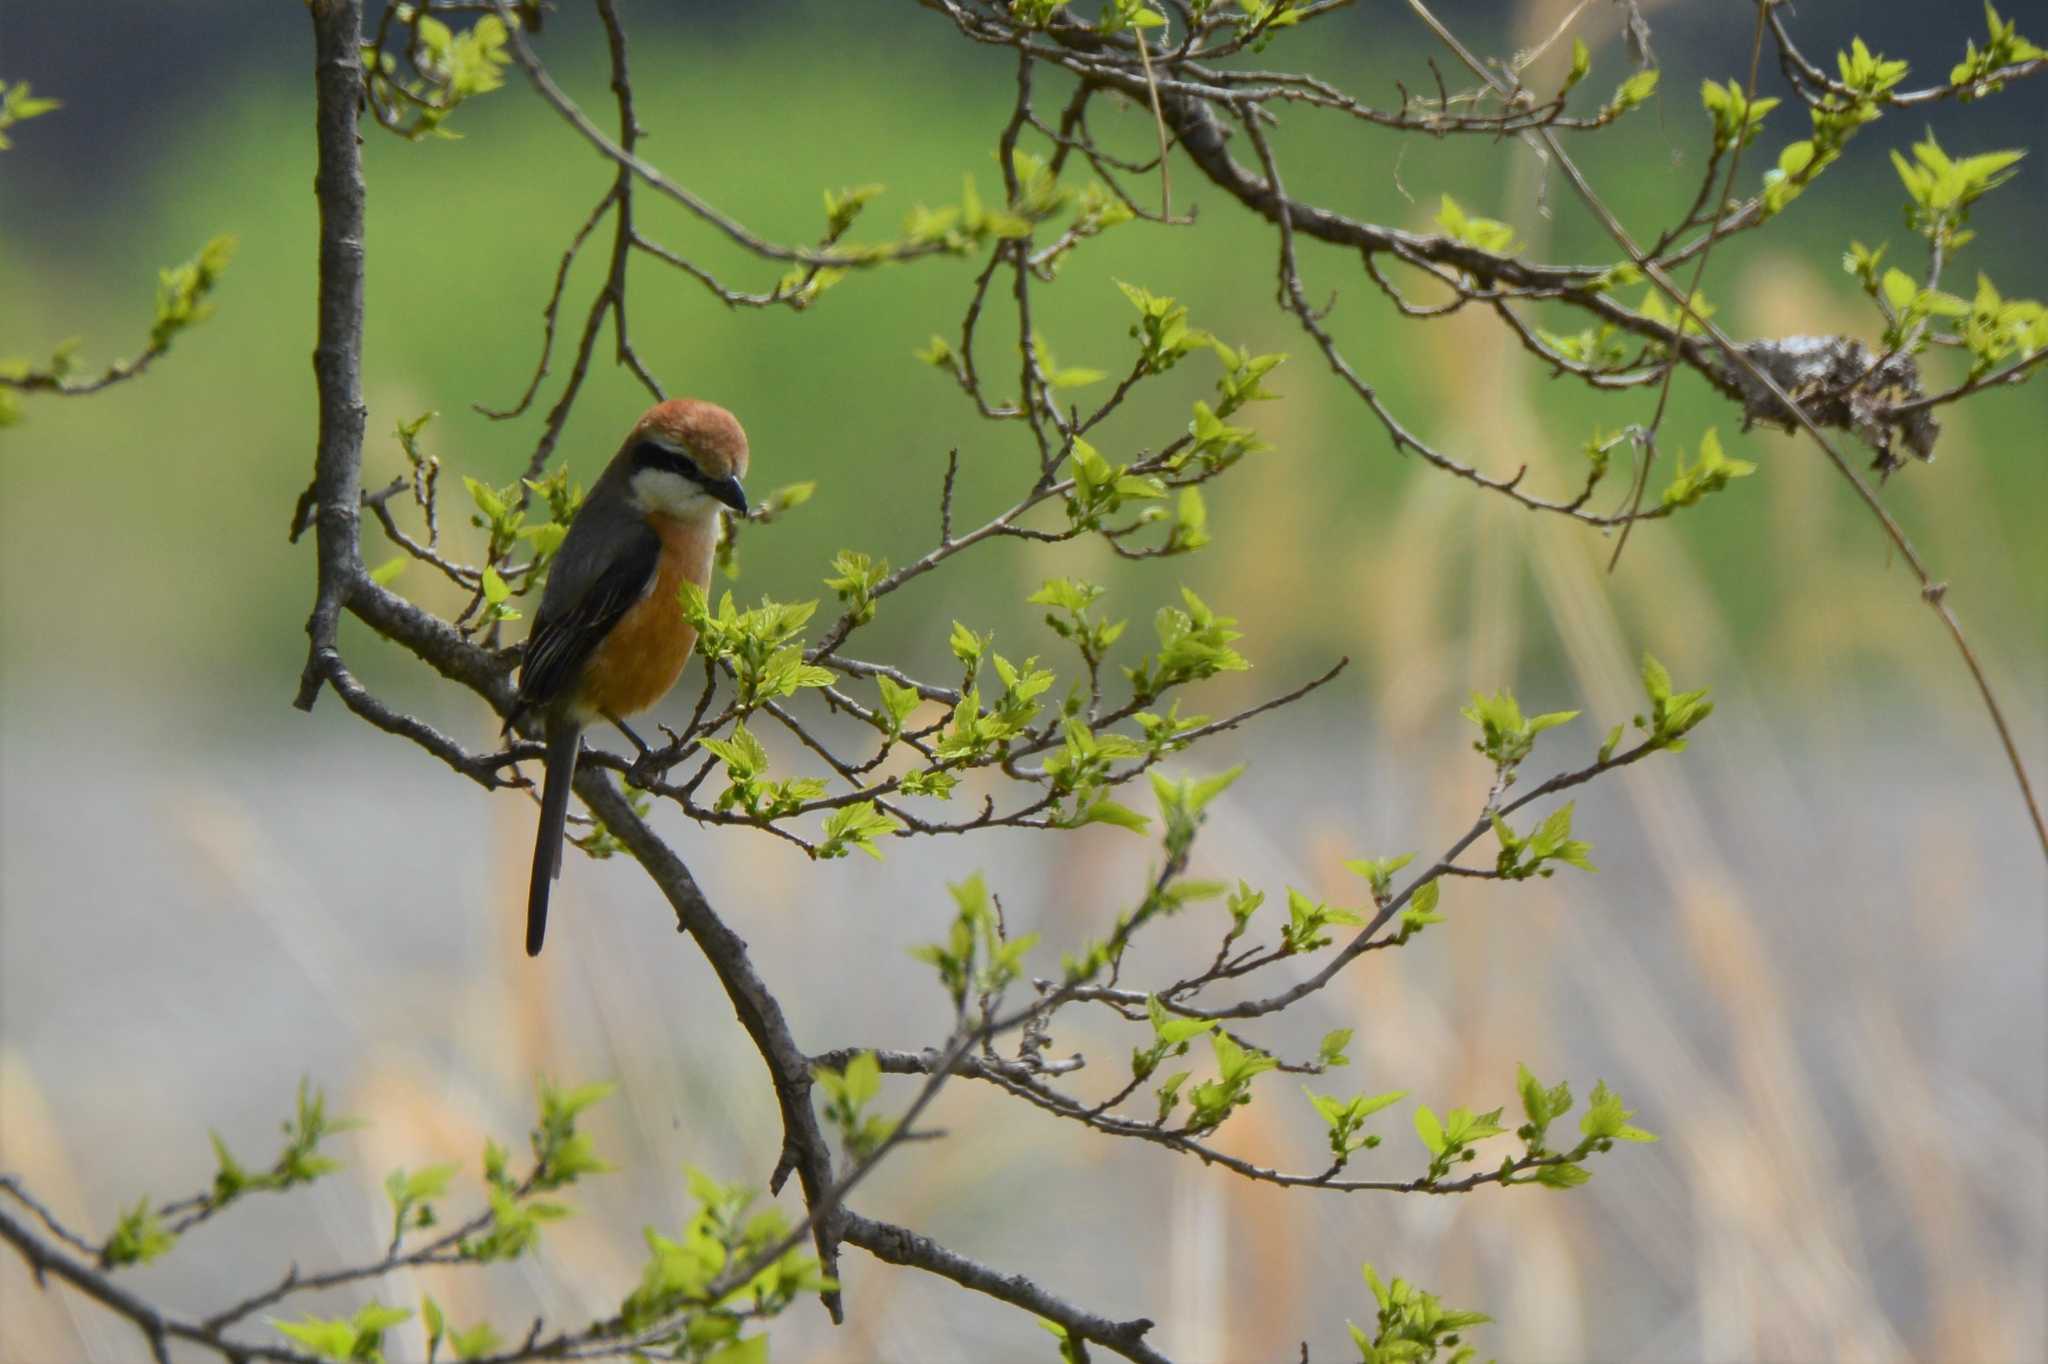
(652, 454)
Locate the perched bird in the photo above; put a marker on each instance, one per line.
(610, 638)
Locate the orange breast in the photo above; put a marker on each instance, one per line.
(645, 652)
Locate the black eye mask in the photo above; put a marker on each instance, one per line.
(650, 454)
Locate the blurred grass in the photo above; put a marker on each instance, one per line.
(187, 477)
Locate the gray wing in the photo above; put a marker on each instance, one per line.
(590, 586)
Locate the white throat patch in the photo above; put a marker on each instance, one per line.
(670, 494)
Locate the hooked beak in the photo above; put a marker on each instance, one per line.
(728, 491)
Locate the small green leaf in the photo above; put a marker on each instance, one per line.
(1606, 1118)
(1488, 234)
(1429, 1129)
(1106, 811)
(857, 826)
(898, 701)
(1582, 63)
(1900, 289)
(436, 1324)
(139, 1237)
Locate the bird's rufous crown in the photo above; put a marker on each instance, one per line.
(711, 434)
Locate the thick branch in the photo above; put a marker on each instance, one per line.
(804, 1149)
(338, 353)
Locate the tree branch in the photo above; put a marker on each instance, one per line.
(901, 1246)
(337, 355)
(804, 1149)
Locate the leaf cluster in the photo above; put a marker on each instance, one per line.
(1413, 1326)
(414, 90)
(1979, 70)
(1212, 1101)
(977, 958)
(18, 105)
(847, 1095)
(1709, 473)
(692, 1299)
(1506, 737)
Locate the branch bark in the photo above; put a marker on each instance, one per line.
(338, 353)
(804, 1149)
(158, 1328)
(902, 1246)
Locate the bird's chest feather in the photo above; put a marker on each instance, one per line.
(644, 654)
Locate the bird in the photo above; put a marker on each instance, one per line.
(610, 637)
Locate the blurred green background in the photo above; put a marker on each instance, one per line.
(749, 111)
(1834, 891)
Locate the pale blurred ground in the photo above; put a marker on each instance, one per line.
(1813, 957)
(1818, 976)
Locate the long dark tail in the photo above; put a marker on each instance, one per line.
(565, 741)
